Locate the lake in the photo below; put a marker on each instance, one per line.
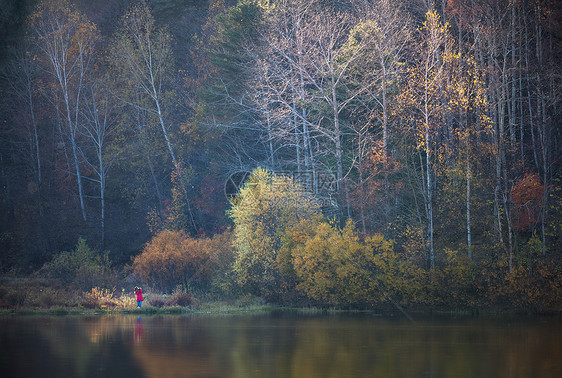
(279, 345)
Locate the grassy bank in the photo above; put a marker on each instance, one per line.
(21, 297)
(214, 308)
(41, 297)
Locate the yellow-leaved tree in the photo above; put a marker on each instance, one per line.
(262, 212)
(335, 266)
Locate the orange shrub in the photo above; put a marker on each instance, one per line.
(172, 258)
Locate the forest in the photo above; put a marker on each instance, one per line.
(346, 153)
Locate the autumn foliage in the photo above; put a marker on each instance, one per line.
(426, 136)
(288, 255)
(171, 258)
(267, 205)
(527, 195)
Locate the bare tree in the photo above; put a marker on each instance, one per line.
(19, 75)
(308, 80)
(142, 54)
(66, 39)
(384, 37)
(99, 121)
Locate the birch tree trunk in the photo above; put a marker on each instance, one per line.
(66, 38)
(145, 53)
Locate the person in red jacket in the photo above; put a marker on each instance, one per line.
(138, 292)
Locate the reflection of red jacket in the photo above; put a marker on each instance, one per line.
(138, 330)
(139, 295)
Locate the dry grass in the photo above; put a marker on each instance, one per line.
(107, 299)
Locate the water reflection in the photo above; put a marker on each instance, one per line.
(138, 330)
(277, 346)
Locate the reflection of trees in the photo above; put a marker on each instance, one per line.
(176, 347)
(327, 347)
(175, 363)
(68, 346)
(268, 346)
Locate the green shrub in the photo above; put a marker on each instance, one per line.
(81, 268)
(12, 297)
(49, 297)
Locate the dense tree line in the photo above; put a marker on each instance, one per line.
(427, 133)
(93, 126)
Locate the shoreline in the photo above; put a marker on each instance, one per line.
(219, 308)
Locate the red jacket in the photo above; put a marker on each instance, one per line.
(139, 295)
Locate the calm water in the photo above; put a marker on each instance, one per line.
(282, 345)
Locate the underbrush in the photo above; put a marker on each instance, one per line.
(38, 296)
(35, 293)
(23, 295)
(106, 299)
(179, 298)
